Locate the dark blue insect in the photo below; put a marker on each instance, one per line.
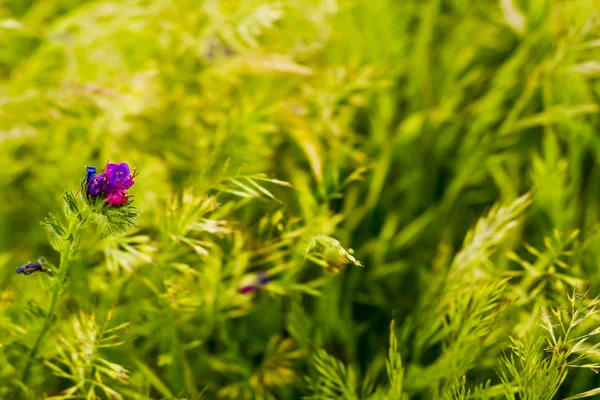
(31, 268)
(91, 173)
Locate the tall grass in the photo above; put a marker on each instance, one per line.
(418, 179)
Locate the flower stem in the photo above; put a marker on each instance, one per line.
(56, 294)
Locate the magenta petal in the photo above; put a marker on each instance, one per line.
(117, 197)
(248, 289)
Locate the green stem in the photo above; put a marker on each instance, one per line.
(56, 294)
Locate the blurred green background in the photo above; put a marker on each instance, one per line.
(398, 125)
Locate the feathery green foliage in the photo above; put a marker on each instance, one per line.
(448, 148)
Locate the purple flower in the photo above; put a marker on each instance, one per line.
(261, 279)
(119, 176)
(97, 185)
(248, 289)
(111, 184)
(30, 268)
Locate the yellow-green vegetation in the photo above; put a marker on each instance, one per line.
(337, 199)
